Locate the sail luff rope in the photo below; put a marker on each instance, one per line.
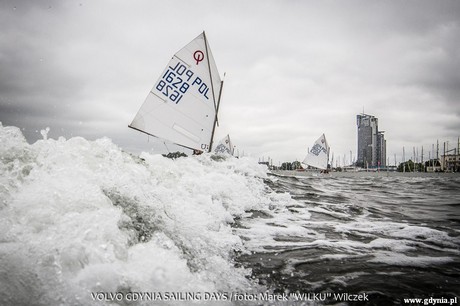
(216, 107)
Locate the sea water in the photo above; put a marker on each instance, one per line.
(369, 238)
(85, 223)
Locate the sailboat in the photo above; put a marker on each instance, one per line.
(183, 104)
(224, 146)
(318, 156)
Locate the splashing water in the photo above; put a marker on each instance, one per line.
(45, 133)
(79, 216)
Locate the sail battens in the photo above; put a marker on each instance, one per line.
(181, 107)
(185, 132)
(161, 98)
(175, 56)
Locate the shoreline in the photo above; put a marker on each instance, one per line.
(294, 173)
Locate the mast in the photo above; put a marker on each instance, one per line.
(332, 159)
(328, 152)
(444, 159)
(429, 160)
(437, 149)
(217, 111)
(404, 161)
(422, 166)
(216, 106)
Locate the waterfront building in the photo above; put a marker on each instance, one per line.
(450, 162)
(371, 143)
(433, 165)
(381, 149)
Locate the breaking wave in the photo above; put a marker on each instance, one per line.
(80, 216)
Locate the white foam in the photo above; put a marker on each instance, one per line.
(399, 259)
(81, 216)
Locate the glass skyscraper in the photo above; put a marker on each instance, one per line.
(371, 142)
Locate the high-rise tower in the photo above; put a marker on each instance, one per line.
(381, 149)
(371, 143)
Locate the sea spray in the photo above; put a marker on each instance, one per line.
(81, 216)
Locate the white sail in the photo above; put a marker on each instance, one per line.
(182, 105)
(319, 154)
(224, 146)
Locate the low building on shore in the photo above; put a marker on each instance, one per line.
(450, 162)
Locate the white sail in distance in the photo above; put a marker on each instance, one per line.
(224, 146)
(182, 105)
(318, 156)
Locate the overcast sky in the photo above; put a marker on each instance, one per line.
(294, 69)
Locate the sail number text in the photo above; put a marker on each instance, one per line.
(317, 149)
(176, 81)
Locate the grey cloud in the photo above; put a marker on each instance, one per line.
(83, 68)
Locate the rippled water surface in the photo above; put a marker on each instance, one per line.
(390, 237)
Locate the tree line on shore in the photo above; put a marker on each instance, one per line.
(407, 166)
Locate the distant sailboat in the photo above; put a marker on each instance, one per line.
(183, 104)
(224, 146)
(318, 156)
